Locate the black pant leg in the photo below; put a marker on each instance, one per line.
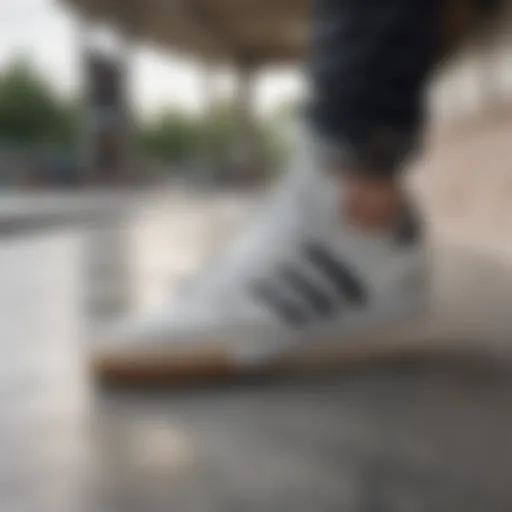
(369, 69)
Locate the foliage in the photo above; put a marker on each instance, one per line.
(172, 137)
(30, 112)
(33, 115)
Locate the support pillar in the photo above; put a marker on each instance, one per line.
(208, 156)
(249, 154)
(107, 144)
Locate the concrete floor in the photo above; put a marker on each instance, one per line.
(402, 436)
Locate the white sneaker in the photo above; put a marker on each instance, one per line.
(300, 276)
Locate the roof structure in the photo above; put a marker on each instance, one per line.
(229, 31)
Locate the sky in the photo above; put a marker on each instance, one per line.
(48, 34)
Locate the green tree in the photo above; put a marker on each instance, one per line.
(220, 130)
(177, 137)
(172, 136)
(30, 112)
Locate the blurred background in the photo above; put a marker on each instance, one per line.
(135, 138)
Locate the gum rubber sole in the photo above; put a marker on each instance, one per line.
(218, 364)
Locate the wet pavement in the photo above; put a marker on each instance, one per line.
(406, 435)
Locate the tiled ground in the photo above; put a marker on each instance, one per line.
(402, 437)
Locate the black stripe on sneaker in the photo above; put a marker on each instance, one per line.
(288, 311)
(317, 299)
(338, 273)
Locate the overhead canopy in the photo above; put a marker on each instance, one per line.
(252, 31)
